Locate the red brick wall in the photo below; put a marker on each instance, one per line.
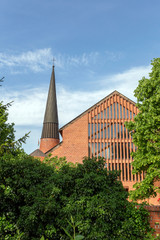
(75, 141)
(154, 217)
(47, 143)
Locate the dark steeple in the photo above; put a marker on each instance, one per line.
(50, 124)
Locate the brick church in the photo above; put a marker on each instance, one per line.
(98, 131)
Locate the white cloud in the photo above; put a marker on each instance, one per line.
(36, 61)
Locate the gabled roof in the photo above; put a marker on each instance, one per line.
(37, 153)
(95, 105)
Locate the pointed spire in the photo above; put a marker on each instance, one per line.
(50, 124)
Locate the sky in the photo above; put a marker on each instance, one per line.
(98, 46)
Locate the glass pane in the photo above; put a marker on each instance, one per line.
(111, 130)
(118, 130)
(102, 149)
(98, 116)
(98, 149)
(120, 111)
(105, 150)
(92, 130)
(114, 109)
(95, 149)
(112, 152)
(125, 150)
(124, 115)
(119, 151)
(111, 111)
(127, 114)
(108, 131)
(126, 171)
(95, 130)
(129, 153)
(117, 111)
(105, 131)
(115, 130)
(124, 132)
(92, 149)
(107, 112)
(121, 131)
(122, 152)
(115, 150)
(123, 171)
(109, 151)
(88, 149)
(104, 113)
(102, 130)
(130, 115)
(98, 130)
(89, 130)
(101, 115)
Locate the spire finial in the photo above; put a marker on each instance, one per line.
(54, 62)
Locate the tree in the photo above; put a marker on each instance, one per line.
(146, 133)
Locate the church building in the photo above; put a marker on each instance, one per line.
(98, 131)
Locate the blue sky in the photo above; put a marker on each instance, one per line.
(98, 47)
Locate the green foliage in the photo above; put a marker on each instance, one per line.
(146, 133)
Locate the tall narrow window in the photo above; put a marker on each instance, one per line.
(126, 171)
(123, 171)
(104, 113)
(129, 153)
(118, 130)
(117, 111)
(95, 149)
(102, 150)
(120, 111)
(89, 130)
(98, 130)
(128, 134)
(99, 149)
(116, 166)
(95, 130)
(98, 116)
(127, 114)
(130, 115)
(105, 135)
(111, 111)
(112, 152)
(122, 152)
(119, 150)
(124, 114)
(92, 130)
(115, 150)
(120, 169)
(124, 132)
(101, 115)
(125, 150)
(102, 130)
(129, 171)
(114, 110)
(115, 130)
(109, 151)
(92, 149)
(112, 166)
(88, 149)
(108, 131)
(121, 131)
(105, 150)
(133, 115)
(111, 130)
(107, 112)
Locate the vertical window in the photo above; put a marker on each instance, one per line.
(105, 131)
(99, 149)
(98, 130)
(102, 149)
(95, 117)
(114, 130)
(116, 166)
(107, 112)
(89, 130)
(95, 149)
(112, 152)
(104, 113)
(95, 130)
(101, 115)
(128, 134)
(105, 150)
(92, 149)
(109, 151)
(112, 166)
(133, 115)
(88, 149)
(109, 167)
(121, 131)
(102, 130)
(98, 115)
(115, 150)
(92, 130)
(127, 114)
(120, 170)
(125, 150)
(126, 171)
(111, 111)
(129, 171)
(123, 171)
(117, 111)
(108, 131)
(122, 152)
(119, 151)
(130, 115)
(114, 110)
(118, 130)
(129, 153)
(124, 115)
(124, 132)
(111, 130)
(120, 111)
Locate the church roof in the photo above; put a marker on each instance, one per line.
(98, 103)
(50, 124)
(37, 153)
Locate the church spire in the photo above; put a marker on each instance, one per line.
(50, 133)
